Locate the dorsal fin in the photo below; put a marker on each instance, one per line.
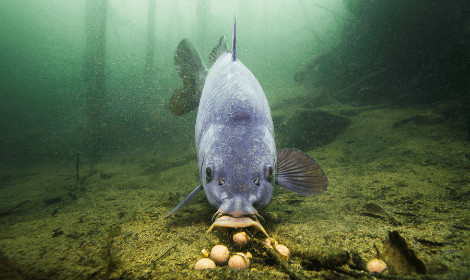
(218, 50)
(234, 42)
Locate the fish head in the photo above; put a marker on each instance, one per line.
(238, 173)
(239, 185)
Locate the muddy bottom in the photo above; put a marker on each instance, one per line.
(399, 189)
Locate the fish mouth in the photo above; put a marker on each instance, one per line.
(228, 221)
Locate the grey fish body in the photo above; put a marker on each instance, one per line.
(235, 139)
(234, 132)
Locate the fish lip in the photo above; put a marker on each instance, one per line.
(228, 221)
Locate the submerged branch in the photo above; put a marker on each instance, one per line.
(359, 82)
(289, 269)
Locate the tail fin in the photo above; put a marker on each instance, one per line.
(234, 42)
(192, 71)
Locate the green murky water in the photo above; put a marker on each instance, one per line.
(92, 159)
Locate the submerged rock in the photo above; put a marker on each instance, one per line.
(402, 259)
(308, 129)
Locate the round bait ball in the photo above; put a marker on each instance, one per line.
(283, 250)
(239, 260)
(240, 238)
(204, 263)
(377, 266)
(220, 254)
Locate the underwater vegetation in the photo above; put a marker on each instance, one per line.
(396, 52)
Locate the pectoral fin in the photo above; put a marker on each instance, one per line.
(298, 172)
(186, 200)
(192, 71)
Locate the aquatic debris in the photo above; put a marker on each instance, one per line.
(205, 253)
(104, 175)
(280, 249)
(53, 200)
(316, 71)
(420, 120)
(57, 232)
(77, 167)
(375, 211)
(270, 242)
(164, 255)
(320, 259)
(90, 174)
(292, 271)
(13, 209)
(110, 259)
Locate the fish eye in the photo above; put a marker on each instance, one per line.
(256, 181)
(269, 173)
(208, 174)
